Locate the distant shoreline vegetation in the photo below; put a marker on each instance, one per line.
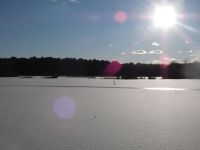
(53, 67)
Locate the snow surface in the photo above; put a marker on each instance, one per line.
(95, 114)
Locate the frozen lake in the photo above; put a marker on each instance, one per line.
(97, 114)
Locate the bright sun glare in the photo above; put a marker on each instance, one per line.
(164, 16)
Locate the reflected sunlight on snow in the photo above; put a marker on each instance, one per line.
(165, 89)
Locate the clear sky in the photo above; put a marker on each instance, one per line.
(101, 29)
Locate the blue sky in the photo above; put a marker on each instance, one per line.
(89, 29)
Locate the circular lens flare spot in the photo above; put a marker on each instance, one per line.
(64, 107)
(112, 69)
(120, 17)
(165, 60)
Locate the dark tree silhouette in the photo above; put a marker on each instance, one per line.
(54, 67)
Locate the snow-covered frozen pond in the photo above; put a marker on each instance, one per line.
(97, 114)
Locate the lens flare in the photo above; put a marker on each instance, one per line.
(164, 65)
(112, 69)
(120, 17)
(64, 107)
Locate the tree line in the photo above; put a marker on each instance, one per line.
(54, 67)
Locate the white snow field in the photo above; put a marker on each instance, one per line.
(95, 114)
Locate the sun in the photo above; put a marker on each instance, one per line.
(164, 16)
